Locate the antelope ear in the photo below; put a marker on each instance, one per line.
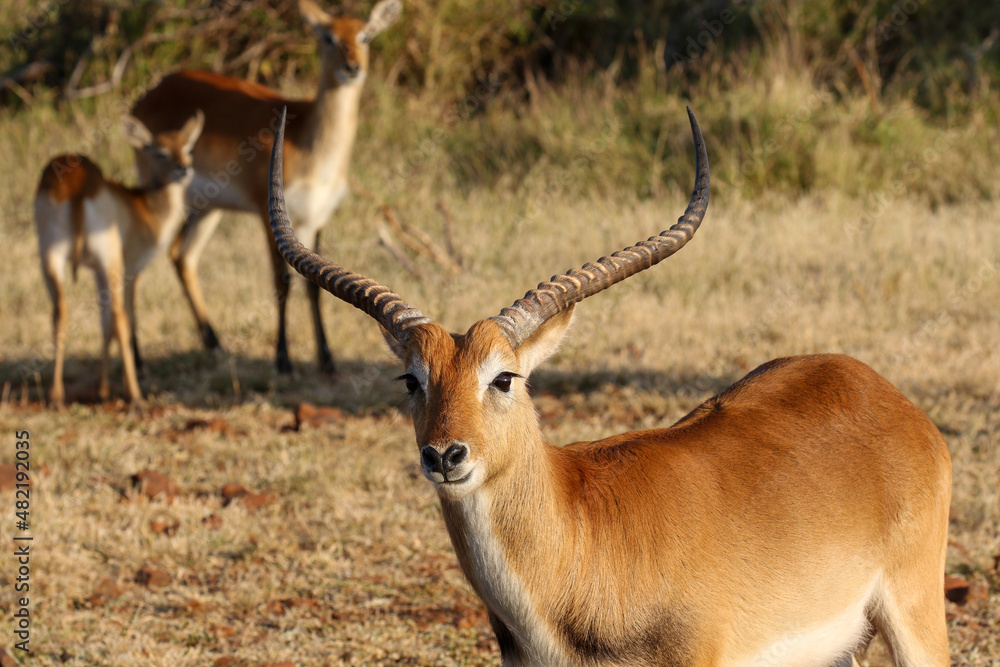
(394, 345)
(314, 16)
(192, 130)
(136, 133)
(383, 15)
(544, 342)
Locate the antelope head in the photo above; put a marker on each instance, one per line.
(709, 542)
(344, 41)
(167, 155)
(471, 410)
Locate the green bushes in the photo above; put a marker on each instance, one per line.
(583, 95)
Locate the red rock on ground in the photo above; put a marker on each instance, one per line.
(193, 607)
(8, 478)
(105, 591)
(153, 484)
(216, 425)
(232, 491)
(229, 662)
(250, 500)
(956, 589)
(168, 527)
(6, 659)
(279, 607)
(8, 475)
(311, 415)
(962, 592)
(151, 576)
(254, 501)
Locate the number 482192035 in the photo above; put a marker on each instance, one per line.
(22, 478)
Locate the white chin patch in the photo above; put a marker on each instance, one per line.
(465, 482)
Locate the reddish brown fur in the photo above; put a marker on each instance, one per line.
(229, 136)
(241, 118)
(119, 229)
(68, 176)
(804, 466)
(449, 414)
(784, 521)
(142, 207)
(73, 178)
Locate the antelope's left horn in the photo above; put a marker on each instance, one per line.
(394, 314)
(520, 320)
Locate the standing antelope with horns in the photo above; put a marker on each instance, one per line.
(83, 218)
(230, 159)
(783, 522)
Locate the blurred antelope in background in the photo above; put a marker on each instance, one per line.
(783, 522)
(84, 218)
(230, 160)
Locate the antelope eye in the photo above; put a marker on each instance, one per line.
(502, 381)
(412, 383)
(329, 38)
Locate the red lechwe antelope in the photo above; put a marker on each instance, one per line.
(83, 218)
(230, 160)
(783, 522)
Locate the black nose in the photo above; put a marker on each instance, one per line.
(444, 463)
(352, 68)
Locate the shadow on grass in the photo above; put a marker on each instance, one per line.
(212, 380)
(202, 379)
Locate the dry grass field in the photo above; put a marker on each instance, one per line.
(347, 560)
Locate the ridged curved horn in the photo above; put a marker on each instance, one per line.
(520, 320)
(394, 314)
